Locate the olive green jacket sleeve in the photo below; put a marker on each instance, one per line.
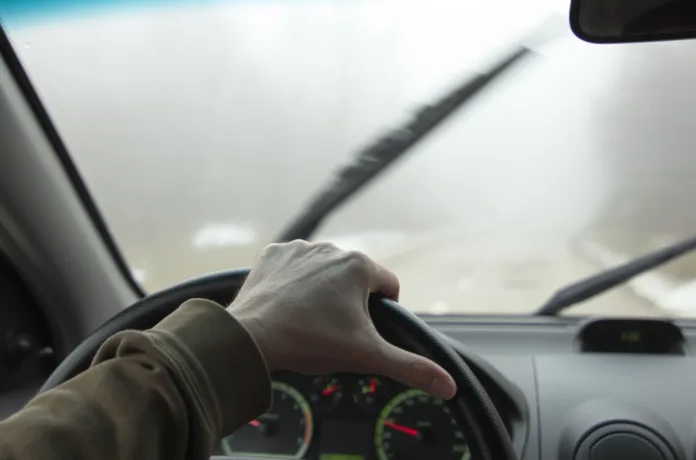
(167, 393)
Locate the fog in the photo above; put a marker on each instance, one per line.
(201, 130)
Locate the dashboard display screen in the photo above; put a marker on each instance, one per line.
(341, 457)
(642, 336)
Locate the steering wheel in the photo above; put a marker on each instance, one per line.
(471, 408)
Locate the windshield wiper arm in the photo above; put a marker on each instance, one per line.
(374, 159)
(613, 277)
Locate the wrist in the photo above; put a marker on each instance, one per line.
(225, 348)
(258, 335)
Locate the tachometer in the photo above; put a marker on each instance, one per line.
(283, 432)
(415, 426)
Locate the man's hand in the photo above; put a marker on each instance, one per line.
(305, 305)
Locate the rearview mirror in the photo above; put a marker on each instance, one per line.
(621, 21)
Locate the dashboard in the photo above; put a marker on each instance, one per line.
(566, 389)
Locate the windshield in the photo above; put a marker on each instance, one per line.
(202, 129)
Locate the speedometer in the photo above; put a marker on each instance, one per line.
(417, 426)
(283, 432)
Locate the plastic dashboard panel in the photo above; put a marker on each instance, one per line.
(589, 406)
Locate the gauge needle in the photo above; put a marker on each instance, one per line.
(328, 390)
(403, 429)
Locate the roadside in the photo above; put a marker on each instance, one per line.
(479, 268)
(486, 269)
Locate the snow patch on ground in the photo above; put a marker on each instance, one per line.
(224, 234)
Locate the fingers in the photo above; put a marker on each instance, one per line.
(414, 371)
(383, 281)
(408, 368)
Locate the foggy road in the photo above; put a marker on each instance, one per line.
(199, 147)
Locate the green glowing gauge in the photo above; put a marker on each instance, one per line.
(283, 432)
(417, 426)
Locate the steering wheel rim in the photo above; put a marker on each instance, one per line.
(471, 408)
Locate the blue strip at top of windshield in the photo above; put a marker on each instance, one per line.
(29, 11)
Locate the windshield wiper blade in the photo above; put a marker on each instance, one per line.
(375, 158)
(613, 277)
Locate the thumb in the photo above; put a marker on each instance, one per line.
(415, 371)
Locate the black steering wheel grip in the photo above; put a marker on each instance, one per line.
(471, 408)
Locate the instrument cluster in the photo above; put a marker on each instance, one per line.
(349, 417)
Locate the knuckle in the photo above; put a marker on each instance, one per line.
(274, 249)
(326, 246)
(270, 249)
(358, 260)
